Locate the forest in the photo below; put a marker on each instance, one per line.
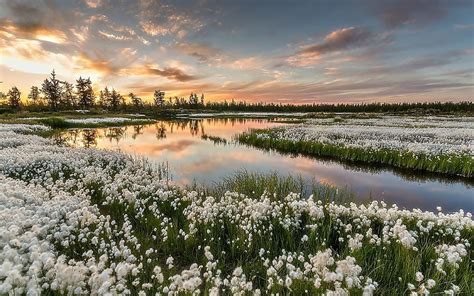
(56, 95)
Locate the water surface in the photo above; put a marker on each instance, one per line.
(193, 158)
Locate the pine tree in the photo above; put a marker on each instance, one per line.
(159, 98)
(34, 94)
(68, 98)
(193, 99)
(115, 99)
(52, 90)
(85, 93)
(136, 101)
(14, 96)
(104, 98)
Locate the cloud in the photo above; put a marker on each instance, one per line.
(93, 3)
(37, 32)
(248, 63)
(340, 40)
(114, 36)
(160, 19)
(171, 73)
(36, 17)
(396, 13)
(84, 61)
(25, 48)
(153, 29)
(202, 51)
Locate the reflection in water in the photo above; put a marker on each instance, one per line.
(194, 151)
(115, 133)
(160, 131)
(137, 130)
(89, 138)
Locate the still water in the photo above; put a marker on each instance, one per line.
(192, 157)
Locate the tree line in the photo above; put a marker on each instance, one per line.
(56, 95)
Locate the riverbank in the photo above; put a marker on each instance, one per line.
(434, 144)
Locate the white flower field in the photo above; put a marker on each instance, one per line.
(438, 144)
(84, 221)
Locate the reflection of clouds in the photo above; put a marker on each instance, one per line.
(327, 182)
(178, 148)
(192, 159)
(218, 159)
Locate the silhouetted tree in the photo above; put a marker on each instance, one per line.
(2, 96)
(51, 88)
(193, 99)
(67, 97)
(14, 96)
(34, 94)
(104, 98)
(159, 98)
(115, 99)
(136, 101)
(85, 93)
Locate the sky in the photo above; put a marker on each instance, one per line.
(271, 51)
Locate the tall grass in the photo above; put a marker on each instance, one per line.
(55, 122)
(461, 165)
(255, 184)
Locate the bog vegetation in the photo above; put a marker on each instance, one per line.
(86, 221)
(434, 144)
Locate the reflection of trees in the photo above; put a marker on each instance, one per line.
(194, 127)
(74, 136)
(68, 137)
(89, 138)
(160, 131)
(60, 139)
(115, 133)
(137, 130)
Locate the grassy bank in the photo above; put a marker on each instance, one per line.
(453, 164)
(79, 121)
(90, 221)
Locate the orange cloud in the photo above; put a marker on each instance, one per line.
(84, 61)
(37, 32)
(93, 3)
(171, 73)
(247, 63)
(153, 29)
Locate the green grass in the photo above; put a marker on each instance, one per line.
(461, 165)
(255, 184)
(58, 122)
(214, 139)
(55, 122)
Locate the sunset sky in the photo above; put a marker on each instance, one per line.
(274, 51)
